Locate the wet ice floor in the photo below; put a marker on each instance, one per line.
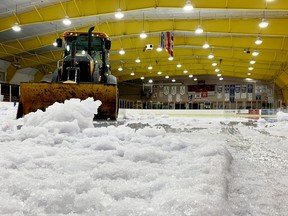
(259, 171)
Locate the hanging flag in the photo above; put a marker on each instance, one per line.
(162, 37)
(169, 43)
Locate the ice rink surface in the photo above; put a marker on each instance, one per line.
(60, 162)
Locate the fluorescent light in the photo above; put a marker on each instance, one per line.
(121, 51)
(66, 21)
(16, 27)
(188, 6)
(143, 35)
(119, 14)
(199, 30)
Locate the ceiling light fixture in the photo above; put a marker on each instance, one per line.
(248, 74)
(170, 58)
(221, 78)
(188, 6)
(132, 73)
(16, 27)
(159, 72)
(142, 78)
(166, 77)
(120, 69)
(217, 70)
(137, 60)
(195, 79)
(173, 80)
(66, 21)
(219, 75)
(143, 35)
(150, 81)
(206, 45)
(150, 67)
(199, 29)
(258, 41)
(159, 49)
(263, 23)
(121, 51)
(211, 56)
(185, 71)
(214, 64)
(255, 53)
(119, 14)
(178, 65)
(250, 68)
(252, 62)
(190, 76)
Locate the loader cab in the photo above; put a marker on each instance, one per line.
(90, 56)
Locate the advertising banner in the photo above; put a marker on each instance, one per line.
(250, 91)
(219, 91)
(243, 92)
(226, 92)
(237, 92)
(232, 93)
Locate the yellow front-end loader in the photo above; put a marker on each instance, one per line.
(83, 72)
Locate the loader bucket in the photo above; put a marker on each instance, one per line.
(34, 96)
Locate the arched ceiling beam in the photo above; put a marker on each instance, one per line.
(92, 8)
(273, 38)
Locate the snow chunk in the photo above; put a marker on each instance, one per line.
(70, 117)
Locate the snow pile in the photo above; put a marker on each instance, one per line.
(69, 117)
(49, 167)
(281, 116)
